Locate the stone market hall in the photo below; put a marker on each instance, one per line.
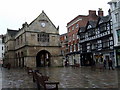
(34, 45)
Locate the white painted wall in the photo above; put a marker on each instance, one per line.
(1, 50)
(116, 23)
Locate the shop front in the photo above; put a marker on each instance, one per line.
(117, 56)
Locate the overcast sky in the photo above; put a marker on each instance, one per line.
(13, 13)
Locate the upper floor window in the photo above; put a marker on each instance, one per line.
(21, 39)
(77, 25)
(73, 36)
(86, 35)
(0, 41)
(43, 37)
(71, 48)
(2, 47)
(72, 27)
(108, 26)
(115, 4)
(18, 40)
(116, 17)
(82, 36)
(68, 29)
(102, 27)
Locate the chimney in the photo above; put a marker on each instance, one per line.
(100, 12)
(92, 12)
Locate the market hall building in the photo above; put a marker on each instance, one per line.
(34, 45)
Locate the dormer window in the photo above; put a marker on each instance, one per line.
(89, 26)
(101, 21)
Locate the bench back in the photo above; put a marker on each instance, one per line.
(41, 79)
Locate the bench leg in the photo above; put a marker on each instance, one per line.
(33, 79)
(38, 86)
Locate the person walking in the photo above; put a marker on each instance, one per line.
(110, 64)
(104, 64)
(8, 66)
(93, 65)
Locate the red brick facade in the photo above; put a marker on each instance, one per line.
(73, 26)
(71, 45)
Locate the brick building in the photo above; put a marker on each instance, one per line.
(64, 46)
(72, 46)
(35, 45)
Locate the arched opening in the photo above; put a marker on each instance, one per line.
(43, 59)
(22, 58)
(19, 61)
(16, 60)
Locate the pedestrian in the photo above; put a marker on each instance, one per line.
(75, 61)
(104, 64)
(110, 64)
(66, 63)
(93, 66)
(8, 66)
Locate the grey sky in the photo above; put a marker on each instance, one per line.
(13, 13)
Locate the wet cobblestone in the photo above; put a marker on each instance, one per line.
(68, 77)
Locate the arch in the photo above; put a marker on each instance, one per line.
(43, 59)
(19, 61)
(22, 58)
(16, 60)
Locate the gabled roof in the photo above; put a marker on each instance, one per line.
(112, 1)
(93, 24)
(12, 32)
(104, 19)
(81, 30)
(39, 16)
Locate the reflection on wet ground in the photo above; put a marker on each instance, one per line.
(82, 77)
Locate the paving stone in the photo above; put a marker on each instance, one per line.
(68, 77)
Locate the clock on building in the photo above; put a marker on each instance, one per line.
(43, 24)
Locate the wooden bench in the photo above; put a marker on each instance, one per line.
(35, 76)
(75, 65)
(42, 82)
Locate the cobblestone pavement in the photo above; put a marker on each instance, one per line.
(82, 77)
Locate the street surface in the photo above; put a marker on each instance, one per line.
(69, 77)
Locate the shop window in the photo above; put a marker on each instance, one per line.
(118, 35)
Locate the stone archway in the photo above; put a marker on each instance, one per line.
(43, 59)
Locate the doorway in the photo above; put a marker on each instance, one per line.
(43, 59)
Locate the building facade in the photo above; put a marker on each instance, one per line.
(1, 50)
(34, 45)
(73, 39)
(96, 41)
(64, 46)
(115, 13)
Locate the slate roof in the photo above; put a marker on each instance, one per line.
(12, 32)
(106, 18)
(92, 23)
(81, 29)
